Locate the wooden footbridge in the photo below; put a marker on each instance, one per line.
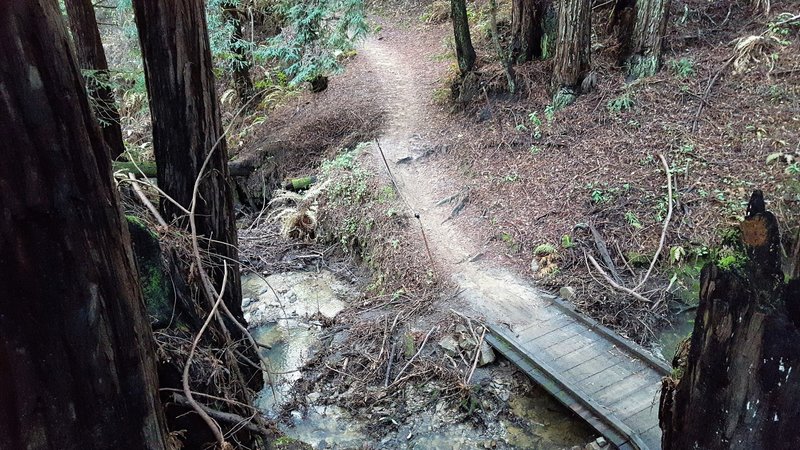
(610, 382)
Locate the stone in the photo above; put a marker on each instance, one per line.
(567, 292)
(449, 345)
(601, 441)
(313, 397)
(467, 343)
(535, 265)
(487, 354)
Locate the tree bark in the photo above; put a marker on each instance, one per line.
(76, 353)
(739, 388)
(621, 25)
(648, 33)
(186, 128)
(241, 68)
(527, 29)
(573, 65)
(465, 52)
(92, 57)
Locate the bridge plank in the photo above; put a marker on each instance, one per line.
(555, 337)
(602, 378)
(541, 329)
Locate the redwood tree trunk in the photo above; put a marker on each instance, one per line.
(77, 363)
(572, 65)
(740, 388)
(527, 29)
(465, 52)
(186, 127)
(620, 25)
(645, 47)
(91, 56)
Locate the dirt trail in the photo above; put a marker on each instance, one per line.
(495, 293)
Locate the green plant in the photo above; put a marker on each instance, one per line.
(510, 242)
(677, 254)
(511, 177)
(622, 103)
(315, 36)
(683, 67)
(535, 150)
(566, 242)
(536, 125)
(544, 250)
(599, 196)
(549, 114)
(633, 220)
(386, 194)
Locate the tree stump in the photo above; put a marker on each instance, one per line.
(739, 388)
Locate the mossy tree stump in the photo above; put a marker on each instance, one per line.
(739, 387)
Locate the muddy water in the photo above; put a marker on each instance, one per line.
(284, 309)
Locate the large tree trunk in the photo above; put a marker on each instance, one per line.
(465, 52)
(645, 47)
(527, 29)
(740, 387)
(92, 57)
(77, 363)
(186, 128)
(572, 66)
(241, 64)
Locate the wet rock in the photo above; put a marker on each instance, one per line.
(449, 345)
(599, 444)
(567, 292)
(487, 354)
(467, 343)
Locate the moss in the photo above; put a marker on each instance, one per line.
(642, 67)
(410, 346)
(156, 287)
(563, 98)
(287, 443)
(146, 167)
(637, 259)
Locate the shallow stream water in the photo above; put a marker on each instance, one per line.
(284, 312)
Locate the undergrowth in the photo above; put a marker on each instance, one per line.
(365, 217)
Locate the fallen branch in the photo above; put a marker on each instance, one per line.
(225, 416)
(707, 92)
(415, 355)
(139, 193)
(213, 425)
(666, 223)
(477, 356)
(389, 366)
(613, 283)
(602, 248)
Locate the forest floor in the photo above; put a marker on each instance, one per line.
(527, 186)
(508, 193)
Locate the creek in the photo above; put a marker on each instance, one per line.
(286, 312)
